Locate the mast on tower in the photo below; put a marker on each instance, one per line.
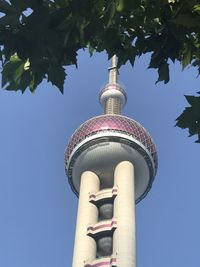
(113, 97)
(113, 71)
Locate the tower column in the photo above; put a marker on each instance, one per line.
(124, 211)
(85, 246)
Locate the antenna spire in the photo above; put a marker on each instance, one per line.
(112, 96)
(113, 71)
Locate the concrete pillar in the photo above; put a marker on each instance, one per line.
(85, 246)
(124, 243)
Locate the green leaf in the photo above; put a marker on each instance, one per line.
(25, 81)
(192, 100)
(12, 70)
(15, 58)
(120, 5)
(5, 7)
(187, 20)
(196, 8)
(163, 73)
(14, 75)
(91, 50)
(18, 73)
(19, 4)
(187, 54)
(56, 75)
(190, 117)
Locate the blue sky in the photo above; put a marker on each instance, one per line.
(38, 209)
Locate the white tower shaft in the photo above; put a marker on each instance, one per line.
(124, 245)
(106, 242)
(85, 246)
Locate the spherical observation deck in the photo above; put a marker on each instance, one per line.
(102, 142)
(112, 98)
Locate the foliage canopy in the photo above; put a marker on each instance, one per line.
(38, 38)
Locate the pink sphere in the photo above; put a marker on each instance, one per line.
(125, 139)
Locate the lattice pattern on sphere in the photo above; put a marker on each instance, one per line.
(112, 123)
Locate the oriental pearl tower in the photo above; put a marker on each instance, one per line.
(111, 162)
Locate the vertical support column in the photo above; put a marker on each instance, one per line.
(85, 246)
(124, 243)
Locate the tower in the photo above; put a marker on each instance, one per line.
(111, 162)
